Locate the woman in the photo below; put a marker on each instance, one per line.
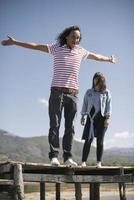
(97, 107)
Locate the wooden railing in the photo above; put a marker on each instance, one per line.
(15, 174)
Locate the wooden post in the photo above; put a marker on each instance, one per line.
(18, 182)
(57, 191)
(42, 190)
(122, 187)
(94, 191)
(122, 191)
(78, 193)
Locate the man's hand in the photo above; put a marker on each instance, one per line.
(9, 41)
(113, 59)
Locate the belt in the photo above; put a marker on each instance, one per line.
(66, 90)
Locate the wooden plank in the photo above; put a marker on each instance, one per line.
(78, 178)
(62, 169)
(6, 182)
(103, 179)
(48, 169)
(47, 178)
(5, 168)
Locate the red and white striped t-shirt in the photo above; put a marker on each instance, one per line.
(66, 65)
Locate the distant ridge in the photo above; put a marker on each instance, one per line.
(36, 149)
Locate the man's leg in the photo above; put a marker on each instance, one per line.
(55, 110)
(70, 109)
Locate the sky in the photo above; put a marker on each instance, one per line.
(25, 75)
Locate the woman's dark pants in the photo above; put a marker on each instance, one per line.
(99, 131)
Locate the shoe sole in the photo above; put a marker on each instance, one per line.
(55, 165)
(70, 165)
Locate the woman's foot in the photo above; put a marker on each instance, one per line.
(98, 164)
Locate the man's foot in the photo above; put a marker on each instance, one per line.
(55, 162)
(98, 165)
(83, 164)
(71, 163)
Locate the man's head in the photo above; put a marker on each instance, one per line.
(70, 36)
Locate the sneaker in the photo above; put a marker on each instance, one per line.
(98, 165)
(83, 164)
(55, 162)
(71, 163)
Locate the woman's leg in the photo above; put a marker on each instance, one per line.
(99, 131)
(100, 143)
(86, 150)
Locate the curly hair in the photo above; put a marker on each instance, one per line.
(101, 81)
(62, 36)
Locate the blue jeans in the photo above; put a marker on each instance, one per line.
(57, 101)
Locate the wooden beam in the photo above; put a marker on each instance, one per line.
(6, 182)
(78, 178)
(5, 168)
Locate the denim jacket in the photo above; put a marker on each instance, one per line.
(105, 100)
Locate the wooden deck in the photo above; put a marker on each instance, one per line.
(16, 173)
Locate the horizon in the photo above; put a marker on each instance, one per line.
(75, 139)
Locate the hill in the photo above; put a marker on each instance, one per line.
(36, 149)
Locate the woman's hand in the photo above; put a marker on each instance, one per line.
(106, 122)
(9, 41)
(82, 121)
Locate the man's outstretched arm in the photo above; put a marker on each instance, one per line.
(99, 57)
(29, 45)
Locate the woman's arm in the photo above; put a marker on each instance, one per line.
(99, 57)
(85, 105)
(12, 41)
(108, 110)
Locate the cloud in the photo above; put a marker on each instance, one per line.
(44, 102)
(123, 139)
(123, 135)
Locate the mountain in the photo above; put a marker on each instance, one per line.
(36, 149)
(118, 156)
(33, 149)
(121, 151)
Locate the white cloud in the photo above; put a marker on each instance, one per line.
(43, 101)
(123, 135)
(123, 139)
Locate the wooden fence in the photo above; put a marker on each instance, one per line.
(13, 175)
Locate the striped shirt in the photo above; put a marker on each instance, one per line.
(66, 65)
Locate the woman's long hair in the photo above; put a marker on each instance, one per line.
(62, 36)
(101, 81)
